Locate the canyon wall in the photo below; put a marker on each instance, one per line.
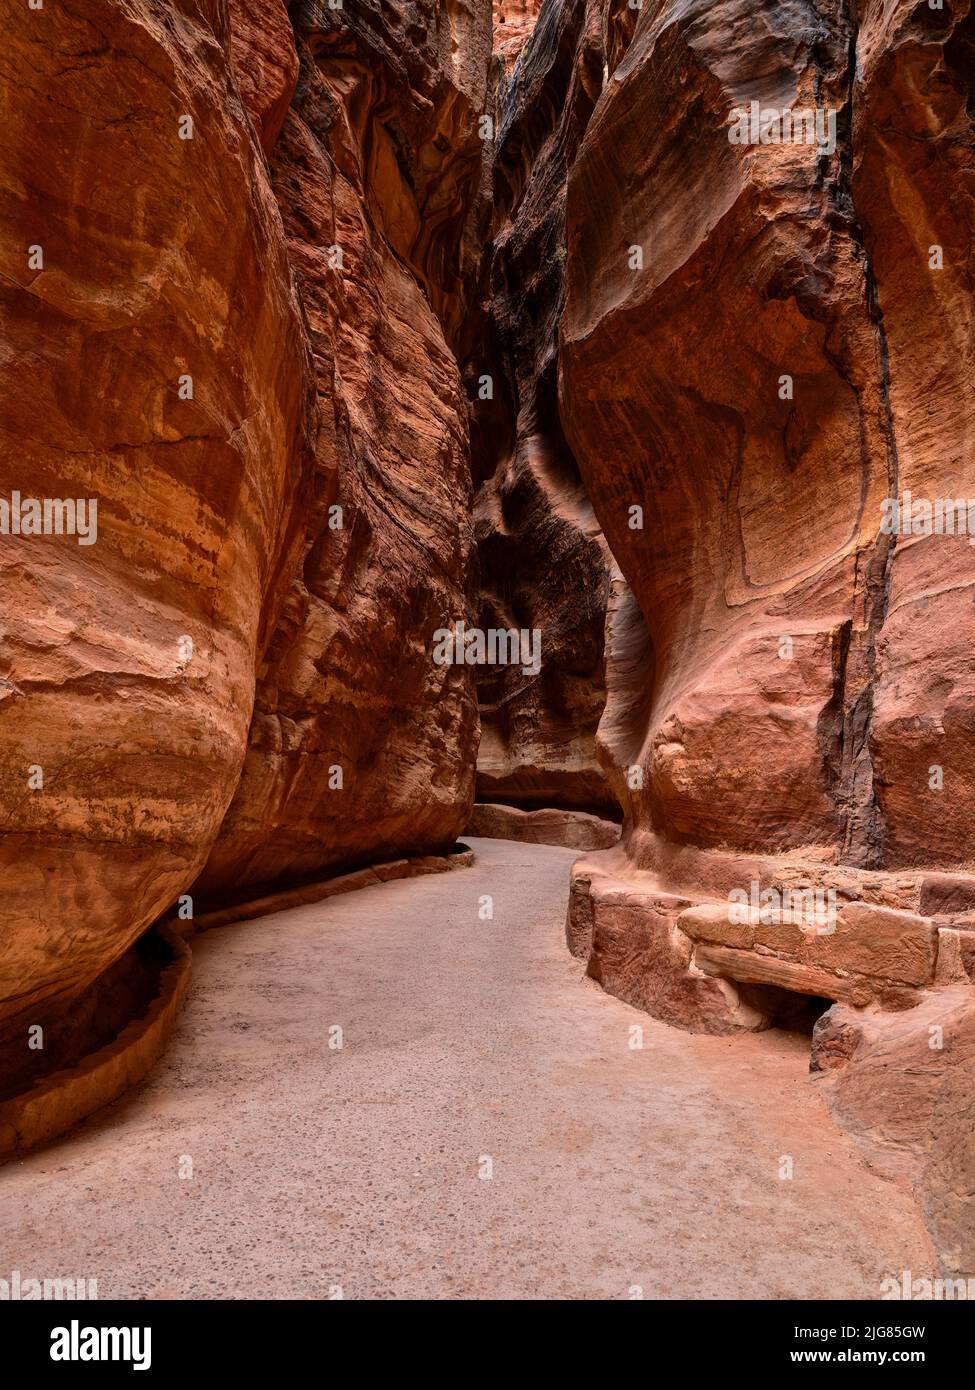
(235, 243)
(765, 351)
(245, 247)
(514, 21)
(763, 347)
(543, 564)
(361, 747)
(750, 386)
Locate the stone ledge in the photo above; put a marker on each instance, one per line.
(883, 945)
(700, 966)
(631, 943)
(748, 967)
(67, 1097)
(461, 858)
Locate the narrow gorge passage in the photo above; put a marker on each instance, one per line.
(316, 1168)
(544, 425)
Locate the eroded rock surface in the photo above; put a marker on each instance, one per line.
(245, 246)
(751, 389)
(276, 202)
(128, 663)
(789, 681)
(789, 686)
(902, 1085)
(574, 829)
(378, 159)
(514, 21)
(543, 563)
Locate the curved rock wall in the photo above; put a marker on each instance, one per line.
(766, 344)
(913, 180)
(543, 563)
(245, 246)
(361, 748)
(208, 373)
(737, 362)
(129, 654)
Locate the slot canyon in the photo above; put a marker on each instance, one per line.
(487, 724)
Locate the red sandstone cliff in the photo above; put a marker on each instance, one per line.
(751, 388)
(176, 694)
(128, 664)
(761, 343)
(379, 156)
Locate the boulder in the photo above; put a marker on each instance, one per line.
(575, 829)
(901, 1084)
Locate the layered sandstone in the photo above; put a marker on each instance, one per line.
(790, 695)
(255, 227)
(902, 1085)
(245, 246)
(514, 21)
(574, 829)
(157, 363)
(762, 344)
(361, 748)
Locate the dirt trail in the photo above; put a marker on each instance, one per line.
(316, 1167)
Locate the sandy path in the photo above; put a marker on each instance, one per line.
(359, 1167)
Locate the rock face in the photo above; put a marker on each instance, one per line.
(790, 689)
(543, 563)
(220, 351)
(514, 21)
(902, 1084)
(762, 365)
(361, 747)
(657, 368)
(128, 663)
(574, 829)
(745, 389)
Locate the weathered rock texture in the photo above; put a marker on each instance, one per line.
(244, 247)
(737, 360)
(762, 514)
(379, 156)
(552, 826)
(315, 384)
(760, 344)
(514, 21)
(161, 257)
(543, 562)
(902, 1085)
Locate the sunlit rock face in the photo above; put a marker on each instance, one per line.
(185, 347)
(543, 564)
(761, 343)
(514, 21)
(762, 354)
(246, 245)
